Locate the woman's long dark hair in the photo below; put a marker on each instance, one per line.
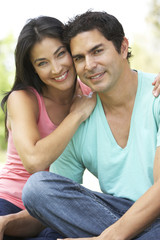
(34, 31)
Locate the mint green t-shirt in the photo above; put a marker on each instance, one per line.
(123, 172)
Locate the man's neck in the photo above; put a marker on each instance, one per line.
(122, 94)
(118, 107)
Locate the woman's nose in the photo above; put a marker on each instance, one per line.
(56, 68)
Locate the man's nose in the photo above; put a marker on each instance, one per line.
(89, 63)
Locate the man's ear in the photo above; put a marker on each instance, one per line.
(124, 47)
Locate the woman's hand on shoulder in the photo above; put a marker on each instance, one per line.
(156, 84)
(84, 105)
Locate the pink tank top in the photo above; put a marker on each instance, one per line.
(13, 175)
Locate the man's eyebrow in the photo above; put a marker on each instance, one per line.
(42, 59)
(91, 50)
(77, 55)
(95, 47)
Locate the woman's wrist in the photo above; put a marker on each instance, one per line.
(4, 220)
(77, 117)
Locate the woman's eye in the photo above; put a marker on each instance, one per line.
(61, 53)
(42, 64)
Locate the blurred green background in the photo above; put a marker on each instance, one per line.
(145, 50)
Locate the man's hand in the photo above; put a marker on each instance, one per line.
(109, 233)
(93, 238)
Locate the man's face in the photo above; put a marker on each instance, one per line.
(97, 62)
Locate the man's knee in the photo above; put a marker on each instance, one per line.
(33, 187)
(42, 185)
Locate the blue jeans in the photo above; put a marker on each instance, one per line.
(7, 207)
(74, 211)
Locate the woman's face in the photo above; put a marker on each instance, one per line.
(53, 63)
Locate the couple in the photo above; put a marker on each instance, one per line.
(117, 137)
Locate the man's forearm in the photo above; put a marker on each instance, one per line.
(143, 212)
(21, 224)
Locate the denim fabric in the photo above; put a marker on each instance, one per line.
(74, 211)
(8, 208)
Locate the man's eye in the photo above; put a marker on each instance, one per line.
(78, 58)
(98, 51)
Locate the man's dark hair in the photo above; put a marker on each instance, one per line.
(105, 23)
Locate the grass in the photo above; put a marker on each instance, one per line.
(2, 158)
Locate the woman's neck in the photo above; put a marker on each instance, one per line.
(58, 96)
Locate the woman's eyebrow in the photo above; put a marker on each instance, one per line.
(42, 59)
(58, 49)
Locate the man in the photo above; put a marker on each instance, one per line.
(118, 144)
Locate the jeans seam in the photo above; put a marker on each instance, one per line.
(107, 208)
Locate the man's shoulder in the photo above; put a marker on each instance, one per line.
(145, 76)
(145, 85)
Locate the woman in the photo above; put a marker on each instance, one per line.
(41, 116)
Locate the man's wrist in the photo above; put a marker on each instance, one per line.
(115, 231)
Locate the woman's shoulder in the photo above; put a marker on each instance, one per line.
(85, 89)
(21, 103)
(29, 93)
(18, 98)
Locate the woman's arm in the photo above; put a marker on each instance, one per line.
(35, 152)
